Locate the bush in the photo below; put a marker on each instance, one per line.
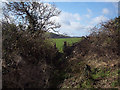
(27, 60)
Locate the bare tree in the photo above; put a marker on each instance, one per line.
(34, 15)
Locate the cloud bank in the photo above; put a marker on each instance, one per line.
(72, 24)
(105, 11)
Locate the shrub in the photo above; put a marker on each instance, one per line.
(27, 60)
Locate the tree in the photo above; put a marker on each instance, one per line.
(26, 58)
(36, 16)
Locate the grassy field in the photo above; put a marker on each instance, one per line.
(60, 41)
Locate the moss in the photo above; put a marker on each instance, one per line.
(78, 86)
(108, 41)
(115, 83)
(79, 63)
(119, 71)
(99, 73)
(87, 84)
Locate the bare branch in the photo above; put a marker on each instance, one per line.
(35, 15)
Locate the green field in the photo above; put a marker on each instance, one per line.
(60, 41)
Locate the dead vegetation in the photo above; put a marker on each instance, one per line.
(31, 61)
(100, 51)
(27, 58)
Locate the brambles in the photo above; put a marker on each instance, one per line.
(100, 51)
(27, 58)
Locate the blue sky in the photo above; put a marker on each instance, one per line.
(77, 18)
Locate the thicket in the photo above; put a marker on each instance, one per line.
(28, 57)
(98, 51)
(104, 39)
(24, 57)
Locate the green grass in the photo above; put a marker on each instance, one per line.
(60, 41)
(101, 74)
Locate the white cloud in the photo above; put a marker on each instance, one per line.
(88, 16)
(98, 20)
(64, 0)
(4, 1)
(71, 24)
(89, 13)
(105, 11)
(80, 0)
(67, 18)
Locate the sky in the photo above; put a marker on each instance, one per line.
(77, 18)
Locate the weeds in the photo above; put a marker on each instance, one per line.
(115, 84)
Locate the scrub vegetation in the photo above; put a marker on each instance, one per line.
(33, 60)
